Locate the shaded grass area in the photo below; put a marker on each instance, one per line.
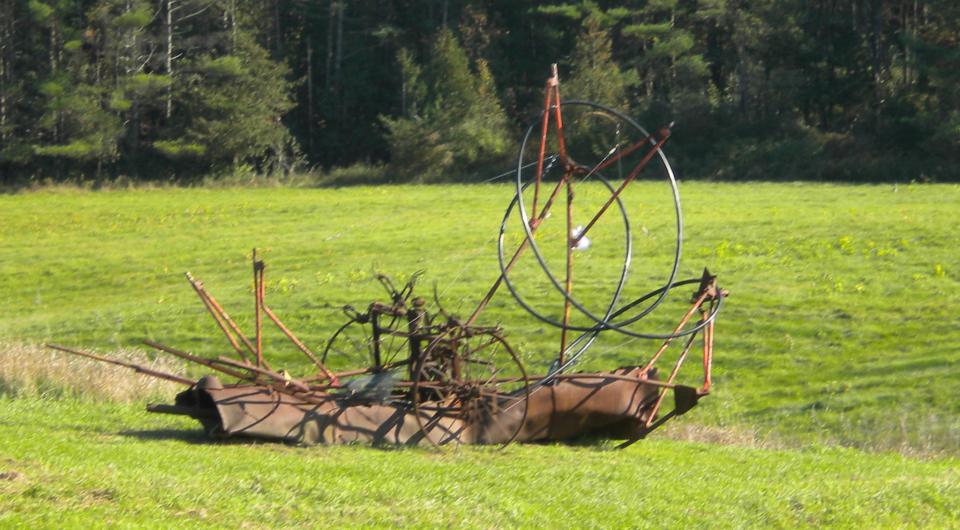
(841, 326)
(67, 464)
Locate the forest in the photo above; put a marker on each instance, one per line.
(364, 91)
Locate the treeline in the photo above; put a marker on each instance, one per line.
(432, 90)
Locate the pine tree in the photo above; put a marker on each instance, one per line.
(595, 74)
(462, 130)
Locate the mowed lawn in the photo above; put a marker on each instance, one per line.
(841, 329)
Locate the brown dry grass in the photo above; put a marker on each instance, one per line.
(30, 370)
(741, 436)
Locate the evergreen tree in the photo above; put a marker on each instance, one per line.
(595, 74)
(462, 130)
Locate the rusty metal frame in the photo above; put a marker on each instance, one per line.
(430, 339)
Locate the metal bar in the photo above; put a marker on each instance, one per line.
(632, 379)
(673, 375)
(633, 175)
(415, 325)
(198, 288)
(299, 344)
(623, 152)
(558, 115)
(568, 287)
(263, 371)
(236, 329)
(683, 322)
(707, 356)
(199, 360)
(213, 364)
(375, 326)
(350, 373)
(534, 223)
(135, 367)
(543, 146)
(258, 302)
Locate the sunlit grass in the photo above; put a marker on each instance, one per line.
(840, 329)
(841, 325)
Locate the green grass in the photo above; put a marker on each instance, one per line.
(82, 465)
(841, 325)
(841, 329)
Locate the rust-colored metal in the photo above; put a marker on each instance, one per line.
(548, 96)
(419, 376)
(278, 378)
(568, 284)
(300, 345)
(664, 135)
(211, 302)
(258, 304)
(135, 367)
(198, 288)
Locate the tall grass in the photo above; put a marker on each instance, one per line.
(30, 370)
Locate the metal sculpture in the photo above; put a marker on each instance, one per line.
(399, 373)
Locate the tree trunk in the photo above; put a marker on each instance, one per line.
(6, 43)
(328, 66)
(278, 44)
(310, 109)
(341, 7)
(338, 63)
(168, 59)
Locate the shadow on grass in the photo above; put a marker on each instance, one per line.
(191, 436)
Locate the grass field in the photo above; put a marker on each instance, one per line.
(841, 330)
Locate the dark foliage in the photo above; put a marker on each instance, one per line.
(429, 90)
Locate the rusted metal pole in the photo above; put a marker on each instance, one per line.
(198, 288)
(683, 322)
(299, 344)
(707, 356)
(213, 364)
(558, 116)
(204, 294)
(135, 367)
(665, 133)
(415, 324)
(534, 223)
(199, 360)
(673, 375)
(543, 145)
(568, 287)
(375, 326)
(622, 153)
(258, 301)
(263, 371)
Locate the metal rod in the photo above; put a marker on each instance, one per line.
(543, 146)
(135, 367)
(199, 360)
(198, 288)
(622, 153)
(683, 322)
(219, 309)
(673, 375)
(263, 371)
(561, 143)
(707, 356)
(665, 133)
(516, 256)
(569, 280)
(299, 344)
(258, 301)
(215, 365)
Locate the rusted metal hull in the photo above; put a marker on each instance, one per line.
(582, 405)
